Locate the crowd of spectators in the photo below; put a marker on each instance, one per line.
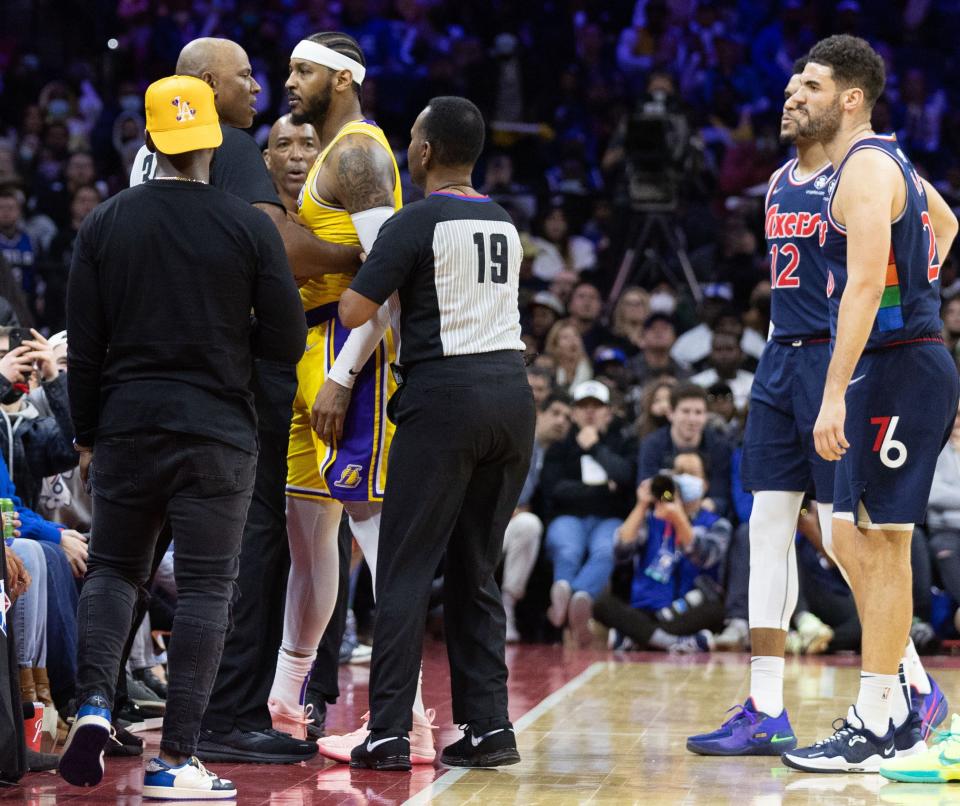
(564, 158)
(640, 375)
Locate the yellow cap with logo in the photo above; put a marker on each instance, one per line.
(181, 115)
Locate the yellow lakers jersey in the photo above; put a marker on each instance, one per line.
(331, 222)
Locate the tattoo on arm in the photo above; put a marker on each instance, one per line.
(365, 177)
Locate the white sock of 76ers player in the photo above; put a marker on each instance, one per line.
(875, 700)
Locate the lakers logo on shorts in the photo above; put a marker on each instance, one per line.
(350, 477)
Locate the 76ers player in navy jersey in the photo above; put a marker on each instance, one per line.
(891, 391)
(780, 462)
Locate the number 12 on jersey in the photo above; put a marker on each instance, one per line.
(786, 278)
(499, 259)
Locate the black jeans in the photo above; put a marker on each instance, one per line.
(239, 698)
(457, 465)
(640, 625)
(203, 487)
(824, 593)
(13, 763)
(945, 548)
(922, 567)
(737, 576)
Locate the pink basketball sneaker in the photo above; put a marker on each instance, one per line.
(422, 749)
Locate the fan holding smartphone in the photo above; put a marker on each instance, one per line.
(36, 444)
(17, 363)
(26, 350)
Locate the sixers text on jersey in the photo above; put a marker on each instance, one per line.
(797, 273)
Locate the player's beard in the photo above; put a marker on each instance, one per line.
(823, 128)
(788, 138)
(313, 110)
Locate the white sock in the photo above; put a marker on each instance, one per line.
(913, 669)
(900, 706)
(418, 708)
(661, 639)
(290, 681)
(875, 700)
(766, 684)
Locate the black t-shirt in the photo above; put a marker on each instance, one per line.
(455, 261)
(163, 279)
(237, 168)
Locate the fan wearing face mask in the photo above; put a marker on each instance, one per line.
(676, 547)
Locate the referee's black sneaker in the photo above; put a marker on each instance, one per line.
(491, 748)
(388, 753)
(254, 747)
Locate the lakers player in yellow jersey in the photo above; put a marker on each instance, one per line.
(340, 434)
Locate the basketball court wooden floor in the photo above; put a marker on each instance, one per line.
(593, 727)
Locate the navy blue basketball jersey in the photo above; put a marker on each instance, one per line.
(910, 306)
(798, 273)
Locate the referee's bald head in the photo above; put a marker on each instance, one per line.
(455, 130)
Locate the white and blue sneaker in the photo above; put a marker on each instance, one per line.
(188, 781)
(852, 748)
(81, 763)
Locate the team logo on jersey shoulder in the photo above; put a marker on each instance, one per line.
(831, 284)
(185, 112)
(821, 182)
(831, 187)
(300, 198)
(350, 477)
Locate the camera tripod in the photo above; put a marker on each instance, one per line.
(643, 232)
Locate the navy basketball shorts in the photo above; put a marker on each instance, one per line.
(778, 448)
(901, 404)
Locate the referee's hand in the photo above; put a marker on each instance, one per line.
(329, 411)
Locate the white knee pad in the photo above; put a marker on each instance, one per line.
(365, 524)
(312, 529)
(773, 559)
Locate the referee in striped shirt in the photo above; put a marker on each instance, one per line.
(465, 421)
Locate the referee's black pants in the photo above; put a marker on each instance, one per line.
(457, 464)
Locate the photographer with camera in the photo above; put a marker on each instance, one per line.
(677, 547)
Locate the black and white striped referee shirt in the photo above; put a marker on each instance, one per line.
(455, 261)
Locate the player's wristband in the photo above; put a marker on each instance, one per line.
(342, 376)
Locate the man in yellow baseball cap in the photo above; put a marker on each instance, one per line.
(160, 294)
(181, 115)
